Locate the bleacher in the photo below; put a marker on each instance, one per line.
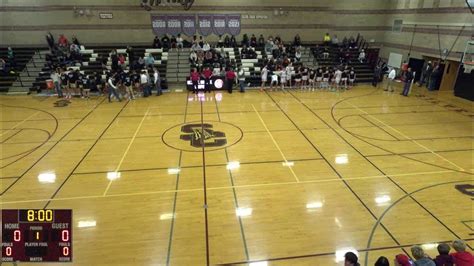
(97, 59)
(22, 57)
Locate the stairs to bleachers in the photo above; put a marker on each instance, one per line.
(15, 77)
(178, 67)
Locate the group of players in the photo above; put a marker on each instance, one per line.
(120, 84)
(306, 78)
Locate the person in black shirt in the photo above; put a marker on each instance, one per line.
(86, 85)
(71, 78)
(157, 42)
(233, 42)
(253, 41)
(408, 79)
(227, 41)
(165, 41)
(64, 83)
(126, 81)
(135, 79)
(79, 84)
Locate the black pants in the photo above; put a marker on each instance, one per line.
(230, 85)
(207, 84)
(195, 86)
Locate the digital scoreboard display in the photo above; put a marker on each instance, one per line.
(37, 235)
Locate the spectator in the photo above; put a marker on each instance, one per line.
(362, 56)
(269, 46)
(201, 42)
(206, 47)
(121, 60)
(131, 54)
(345, 43)
(443, 259)
(195, 80)
(298, 55)
(352, 43)
(179, 42)
(382, 261)
(165, 42)
(326, 53)
(63, 41)
(149, 61)
(391, 80)
(227, 41)
(195, 47)
(193, 57)
(141, 62)
(245, 40)
(3, 67)
(335, 41)
(408, 79)
(230, 78)
(296, 41)
(350, 259)
(420, 257)
(233, 42)
(402, 260)
(435, 76)
(114, 59)
(253, 41)
(220, 42)
(50, 40)
(76, 41)
(461, 257)
(173, 42)
(157, 43)
(327, 39)
(261, 41)
(241, 76)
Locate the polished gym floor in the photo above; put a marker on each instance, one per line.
(260, 178)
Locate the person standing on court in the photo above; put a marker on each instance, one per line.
(408, 80)
(144, 84)
(195, 80)
(241, 75)
(426, 74)
(391, 80)
(56, 82)
(113, 87)
(157, 80)
(230, 78)
(434, 78)
(375, 79)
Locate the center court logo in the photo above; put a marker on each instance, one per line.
(193, 136)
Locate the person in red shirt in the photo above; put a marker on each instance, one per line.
(207, 74)
(461, 257)
(63, 41)
(195, 79)
(230, 78)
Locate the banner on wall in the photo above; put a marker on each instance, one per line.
(233, 24)
(173, 25)
(205, 24)
(188, 23)
(158, 24)
(219, 26)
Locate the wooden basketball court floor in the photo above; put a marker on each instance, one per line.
(294, 178)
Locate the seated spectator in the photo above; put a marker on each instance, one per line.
(420, 257)
(206, 47)
(253, 41)
(461, 257)
(297, 40)
(193, 57)
(201, 42)
(352, 43)
(233, 42)
(362, 56)
(157, 43)
(141, 62)
(121, 59)
(165, 41)
(382, 261)
(3, 67)
(208, 58)
(326, 53)
(227, 41)
(220, 42)
(298, 55)
(443, 259)
(245, 40)
(76, 41)
(261, 41)
(149, 61)
(345, 42)
(173, 42)
(350, 259)
(402, 260)
(335, 41)
(269, 46)
(179, 42)
(195, 47)
(63, 41)
(327, 39)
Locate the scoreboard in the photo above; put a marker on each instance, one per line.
(36, 235)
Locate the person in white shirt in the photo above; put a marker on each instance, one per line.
(157, 80)
(391, 79)
(179, 42)
(193, 57)
(289, 70)
(241, 76)
(283, 79)
(264, 77)
(362, 56)
(206, 47)
(298, 55)
(56, 82)
(144, 84)
(274, 81)
(337, 77)
(112, 82)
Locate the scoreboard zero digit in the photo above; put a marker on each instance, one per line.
(36, 235)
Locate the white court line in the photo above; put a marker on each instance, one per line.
(228, 187)
(126, 151)
(408, 138)
(19, 123)
(276, 144)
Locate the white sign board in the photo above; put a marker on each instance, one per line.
(395, 60)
